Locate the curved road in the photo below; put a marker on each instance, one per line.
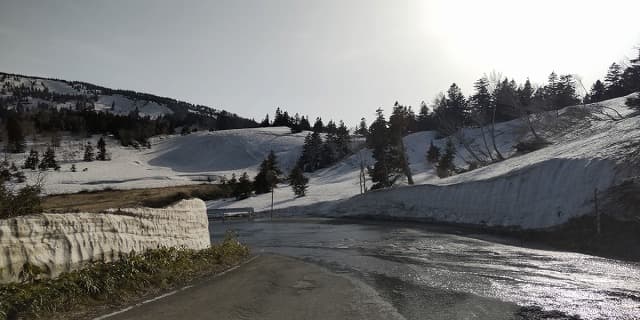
(428, 272)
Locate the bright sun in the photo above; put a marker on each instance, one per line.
(528, 38)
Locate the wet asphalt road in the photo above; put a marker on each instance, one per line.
(429, 272)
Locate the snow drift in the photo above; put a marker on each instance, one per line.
(62, 242)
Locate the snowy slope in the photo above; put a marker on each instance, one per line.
(539, 189)
(171, 160)
(536, 190)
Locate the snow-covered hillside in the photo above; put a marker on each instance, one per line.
(102, 99)
(537, 189)
(171, 160)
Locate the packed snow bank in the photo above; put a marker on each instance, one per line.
(61, 242)
(540, 196)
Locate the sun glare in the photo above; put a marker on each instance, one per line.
(530, 38)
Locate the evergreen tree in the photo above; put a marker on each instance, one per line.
(88, 152)
(567, 95)
(242, 189)
(15, 136)
(362, 128)
(613, 81)
(49, 160)
(73, 167)
(32, 160)
(267, 176)
(634, 85)
(343, 139)
(505, 98)
(424, 120)
(295, 125)
(631, 76)
(481, 101)
(399, 122)
(265, 122)
(102, 150)
(445, 166)
(318, 126)
(451, 110)
(598, 92)
(299, 183)
(233, 180)
(311, 152)
(525, 94)
(433, 154)
(304, 124)
(386, 169)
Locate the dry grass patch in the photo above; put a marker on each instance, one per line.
(97, 201)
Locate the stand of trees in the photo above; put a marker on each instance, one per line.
(82, 118)
(320, 153)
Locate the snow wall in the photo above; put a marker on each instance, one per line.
(62, 242)
(543, 195)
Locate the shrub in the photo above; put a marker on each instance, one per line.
(133, 275)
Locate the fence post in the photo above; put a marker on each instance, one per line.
(595, 201)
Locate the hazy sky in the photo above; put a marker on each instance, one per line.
(339, 59)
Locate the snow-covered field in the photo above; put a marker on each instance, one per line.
(171, 160)
(538, 189)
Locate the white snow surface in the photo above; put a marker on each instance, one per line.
(171, 160)
(540, 189)
(536, 190)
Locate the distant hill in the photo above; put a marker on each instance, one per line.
(27, 93)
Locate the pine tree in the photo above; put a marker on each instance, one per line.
(451, 110)
(481, 101)
(15, 136)
(343, 140)
(318, 126)
(433, 154)
(424, 120)
(398, 127)
(525, 94)
(299, 183)
(73, 167)
(310, 158)
(386, 169)
(613, 81)
(49, 160)
(242, 189)
(32, 160)
(631, 76)
(268, 175)
(265, 122)
(88, 152)
(504, 100)
(233, 179)
(598, 92)
(362, 128)
(304, 124)
(102, 150)
(445, 166)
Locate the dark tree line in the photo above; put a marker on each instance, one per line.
(319, 152)
(619, 81)
(82, 118)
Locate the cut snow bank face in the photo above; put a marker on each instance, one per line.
(543, 195)
(62, 242)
